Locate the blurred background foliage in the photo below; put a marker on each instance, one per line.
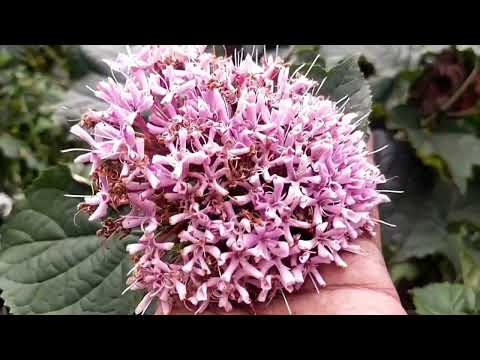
(425, 107)
(32, 80)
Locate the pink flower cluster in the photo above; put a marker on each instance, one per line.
(241, 180)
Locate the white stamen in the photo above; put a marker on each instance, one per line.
(129, 286)
(286, 302)
(342, 108)
(384, 222)
(113, 76)
(314, 283)
(312, 65)
(297, 70)
(75, 196)
(132, 269)
(342, 99)
(75, 218)
(74, 149)
(360, 120)
(391, 191)
(378, 150)
(89, 88)
(323, 82)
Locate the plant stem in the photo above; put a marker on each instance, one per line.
(461, 89)
(445, 107)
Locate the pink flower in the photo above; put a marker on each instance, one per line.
(241, 181)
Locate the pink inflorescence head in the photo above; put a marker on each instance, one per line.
(241, 180)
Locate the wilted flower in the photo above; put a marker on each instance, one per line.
(442, 78)
(241, 180)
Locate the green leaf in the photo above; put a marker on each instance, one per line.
(403, 117)
(97, 53)
(470, 261)
(406, 270)
(421, 229)
(387, 59)
(49, 265)
(10, 146)
(346, 80)
(467, 242)
(420, 212)
(78, 100)
(467, 207)
(307, 54)
(382, 88)
(427, 237)
(446, 299)
(16, 149)
(459, 150)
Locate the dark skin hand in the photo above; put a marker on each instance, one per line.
(362, 288)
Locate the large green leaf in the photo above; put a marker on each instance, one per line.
(421, 226)
(418, 212)
(306, 54)
(426, 213)
(49, 265)
(459, 150)
(446, 299)
(346, 80)
(467, 245)
(79, 99)
(97, 53)
(467, 207)
(388, 60)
